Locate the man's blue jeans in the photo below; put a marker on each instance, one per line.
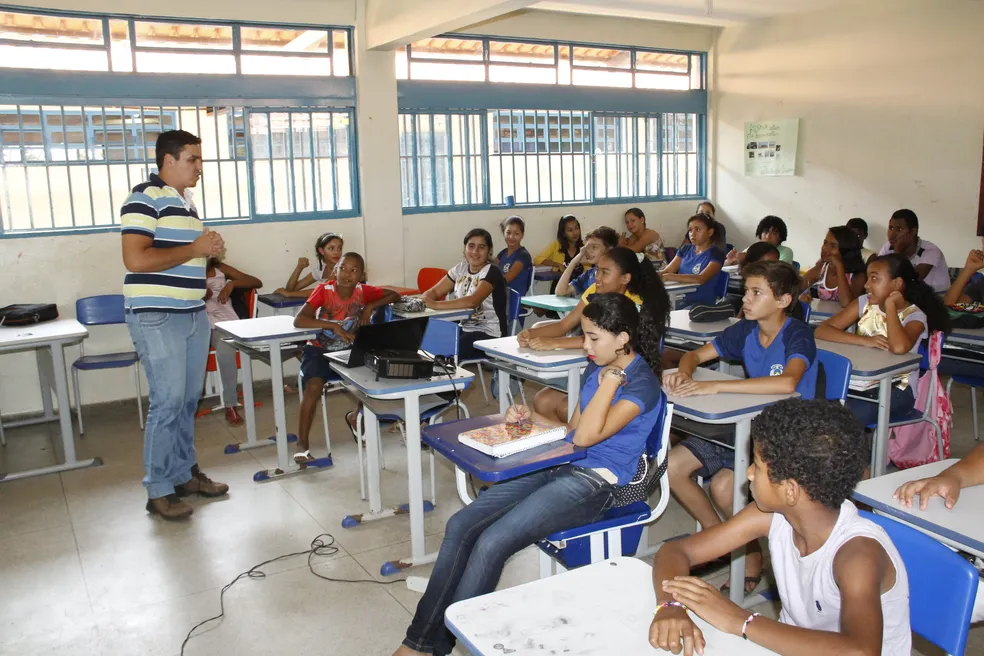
(480, 537)
(173, 348)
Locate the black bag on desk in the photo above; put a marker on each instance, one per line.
(706, 313)
(27, 314)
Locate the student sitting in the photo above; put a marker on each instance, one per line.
(897, 313)
(780, 357)
(220, 281)
(514, 260)
(618, 409)
(966, 288)
(926, 257)
(640, 239)
(328, 248)
(839, 274)
(773, 230)
(560, 253)
(860, 228)
(475, 283)
(842, 584)
(599, 242)
(760, 251)
(337, 308)
(619, 272)
(698, 262)
(706, 207)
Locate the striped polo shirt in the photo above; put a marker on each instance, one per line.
(155, 210)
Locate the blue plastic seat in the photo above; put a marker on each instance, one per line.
(837, 370)
(807, 311)
(942, 585)
(720, 284)
(104, 310)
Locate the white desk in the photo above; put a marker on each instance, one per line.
(677, 290)
(527, 361)
(48, 341)
(263, 338)
(551, 302)
(596, 610)
(961, 527)
(694, 331)
(428, 313)
(876, 364)
(823, 310)
(737, 409)
(362, 382)
(967, 336)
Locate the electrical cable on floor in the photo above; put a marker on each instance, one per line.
(323, 545)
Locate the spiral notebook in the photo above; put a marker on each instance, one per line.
(501, 440)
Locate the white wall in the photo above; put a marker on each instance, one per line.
(890, 97)
(62, 269)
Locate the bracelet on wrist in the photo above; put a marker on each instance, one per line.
(748, 620)
(668, 603)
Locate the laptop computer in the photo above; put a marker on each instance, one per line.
(389, 336)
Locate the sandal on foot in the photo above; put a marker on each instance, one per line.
(348, 422)
(754, 580)
(302, 457)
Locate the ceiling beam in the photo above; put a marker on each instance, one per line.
(394, 23)
(706, 15)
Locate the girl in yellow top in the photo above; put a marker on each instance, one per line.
(569, 243)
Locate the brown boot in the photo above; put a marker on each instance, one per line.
(201, 485)
(170, 507)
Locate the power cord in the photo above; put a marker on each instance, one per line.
(322, 545)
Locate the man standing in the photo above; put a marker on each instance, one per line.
(926, 257)
(165, 250)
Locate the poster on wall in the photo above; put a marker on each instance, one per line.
(770, 147)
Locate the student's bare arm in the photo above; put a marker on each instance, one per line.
(639, 245)
(306, 319)
(832, 330)
(947, 484)
(140, 256)
(672, 267)
(556, 329)
(514, 270)
(601, 420)
(975, 260)
(465, 302)
(564, 284)
(241, 280)
(783, 384)
(709, 272)
(441, 289)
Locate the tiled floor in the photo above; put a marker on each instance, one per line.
(84, 571)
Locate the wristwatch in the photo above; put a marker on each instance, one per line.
(617, 374)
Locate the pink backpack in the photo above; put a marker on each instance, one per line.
(916, 444)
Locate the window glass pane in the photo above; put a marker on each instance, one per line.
(283, 65)
(119, 46)
(283, 39)
(402, 65)
(696, 73)
(662, 62)
(662, 81)
(53, 30)
(340, 53)
(199, 63)
(450, 72)
(521, 53)
(597, 57)
(51, 58)
(183, 35)
(521, 74)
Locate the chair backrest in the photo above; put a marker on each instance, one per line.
(720, 284)
(796, 265)
(512, 305)
(942, 585)
(837, 370)
(441, 338)
(807, 311)
(427, 277)
(660, 435)
(383, 314)
(670, 252)
(100, 310)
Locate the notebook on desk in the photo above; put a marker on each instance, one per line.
(501, 440)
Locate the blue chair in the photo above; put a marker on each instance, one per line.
(837, 370)
(104, 310)
(619, 531)
(942, 585)
(720, 284)
(440, 339)
(807, 311)
(796, 265)
(513, 310)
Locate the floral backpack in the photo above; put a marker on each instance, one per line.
(915, 444)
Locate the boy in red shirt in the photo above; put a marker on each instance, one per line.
(338, 308)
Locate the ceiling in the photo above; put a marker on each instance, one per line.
(702, 12)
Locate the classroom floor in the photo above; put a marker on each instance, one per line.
(84, 571)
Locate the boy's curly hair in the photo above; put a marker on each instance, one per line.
(819, 444)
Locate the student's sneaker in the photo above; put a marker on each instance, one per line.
(201, 485)
(170, 507)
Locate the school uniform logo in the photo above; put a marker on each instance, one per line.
(776, 370)
(696, 270)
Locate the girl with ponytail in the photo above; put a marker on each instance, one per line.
(619, 404)
(898, 311)
(619, 271)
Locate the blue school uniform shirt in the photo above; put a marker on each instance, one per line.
(694, 263)
(583, 281)
(620, 453)
(521, 283)
(795, 340)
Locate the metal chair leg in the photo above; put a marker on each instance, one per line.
(136, 379)
(481, 377)
(78, 400)
(363, 461)
(973, 408)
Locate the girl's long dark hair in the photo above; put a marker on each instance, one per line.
(616, 313)
(654, 315)
(322, 242)
(850, 249)
(562, 238)
(917, 292)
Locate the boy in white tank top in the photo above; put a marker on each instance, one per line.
(841, 582)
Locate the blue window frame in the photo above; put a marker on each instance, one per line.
(441, 162)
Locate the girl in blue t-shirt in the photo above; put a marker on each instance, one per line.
(699, 261)
(514, 260)
(619, 405)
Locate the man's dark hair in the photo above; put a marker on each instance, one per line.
(605, 235)
(772, 222)
(819, 444)
(782, 278)
(172, 143)
(910, 218)
(857, 223)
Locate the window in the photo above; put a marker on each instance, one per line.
(441, 161)
(58, 41)
(460, 58)
(549, 157)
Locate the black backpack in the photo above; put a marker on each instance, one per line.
(27, 314)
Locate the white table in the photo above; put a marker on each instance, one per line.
(737, 409)
(362, 382)
(597, 610)
(48, 341)
(695, 331)
(263, 338)
(551, 302)
(876, 364)
(677, 290)
(967, 336)
(428, 313)
(823, 310)
(961, 527)
(511, 359)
